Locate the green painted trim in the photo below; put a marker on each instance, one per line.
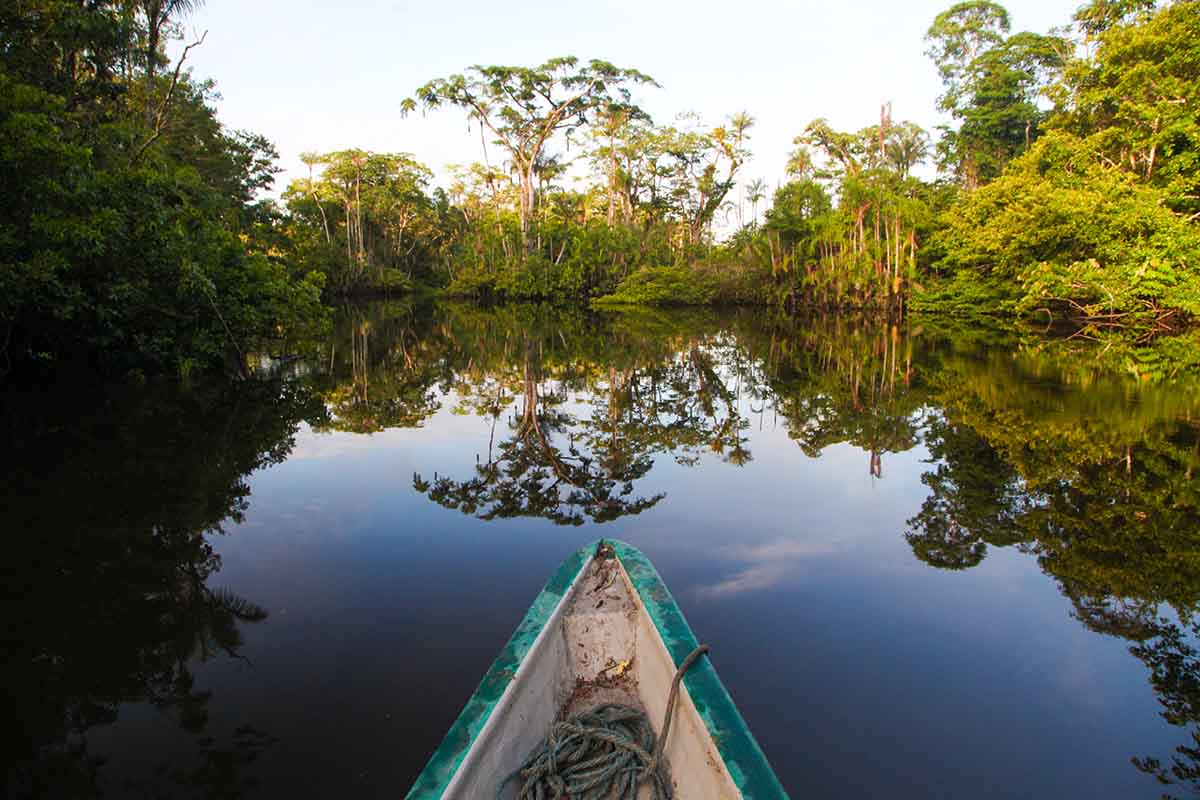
(444, 763)
(744, 759)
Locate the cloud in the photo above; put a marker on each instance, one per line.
(767, 564)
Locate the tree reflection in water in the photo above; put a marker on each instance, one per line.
(1032, 444)
(1099, 489)
(110, 504)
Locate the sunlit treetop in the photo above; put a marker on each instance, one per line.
(960, 33)
(521, 105)
(525, 107)
(1099, 15)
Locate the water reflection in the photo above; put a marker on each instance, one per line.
(117, 500)
(1102, 493)
(1033, 446)
(109, 575)
(582, 432)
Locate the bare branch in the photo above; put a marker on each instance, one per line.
(160, 118)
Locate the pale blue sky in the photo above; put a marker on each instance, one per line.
(329, 75)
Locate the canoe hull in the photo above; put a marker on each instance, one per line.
(601, 630)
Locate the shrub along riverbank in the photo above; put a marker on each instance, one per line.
(1066, 190)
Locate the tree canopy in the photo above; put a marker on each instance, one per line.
(524, 108)
(144, 237)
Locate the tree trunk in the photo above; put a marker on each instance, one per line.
(612, 179)
(153, 29)
(528, 202)
(324, 219)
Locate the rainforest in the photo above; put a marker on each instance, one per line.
(296, 422)
(144, 235)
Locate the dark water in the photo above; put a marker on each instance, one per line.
(931, 561)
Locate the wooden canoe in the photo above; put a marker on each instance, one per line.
(604, 629)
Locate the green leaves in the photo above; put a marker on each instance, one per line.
(1137, 99)
(660, 286)
(1097, 219)
(1069, 233)
(153, 267)
(959, 35)
(993, 86)
(526, 107)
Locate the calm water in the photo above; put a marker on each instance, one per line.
(930, 562)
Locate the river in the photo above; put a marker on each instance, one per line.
(931, 559)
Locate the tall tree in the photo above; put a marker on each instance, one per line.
(526, 107)
(1099, 16)
(703, 167)
(993, 82)
(385, 216)
(908, 146)
(958, 36)
(121, 247)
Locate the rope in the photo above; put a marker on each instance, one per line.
(602, 754)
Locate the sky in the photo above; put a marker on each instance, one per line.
(324, 76)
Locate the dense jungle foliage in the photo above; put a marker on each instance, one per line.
(142, 237)
(1066, 188)
(131, 236)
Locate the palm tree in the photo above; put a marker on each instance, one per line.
(740, 123)
(908, 147)
(756, 192)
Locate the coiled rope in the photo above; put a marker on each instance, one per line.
(602, 754)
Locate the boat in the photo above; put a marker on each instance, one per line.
(604, 637)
